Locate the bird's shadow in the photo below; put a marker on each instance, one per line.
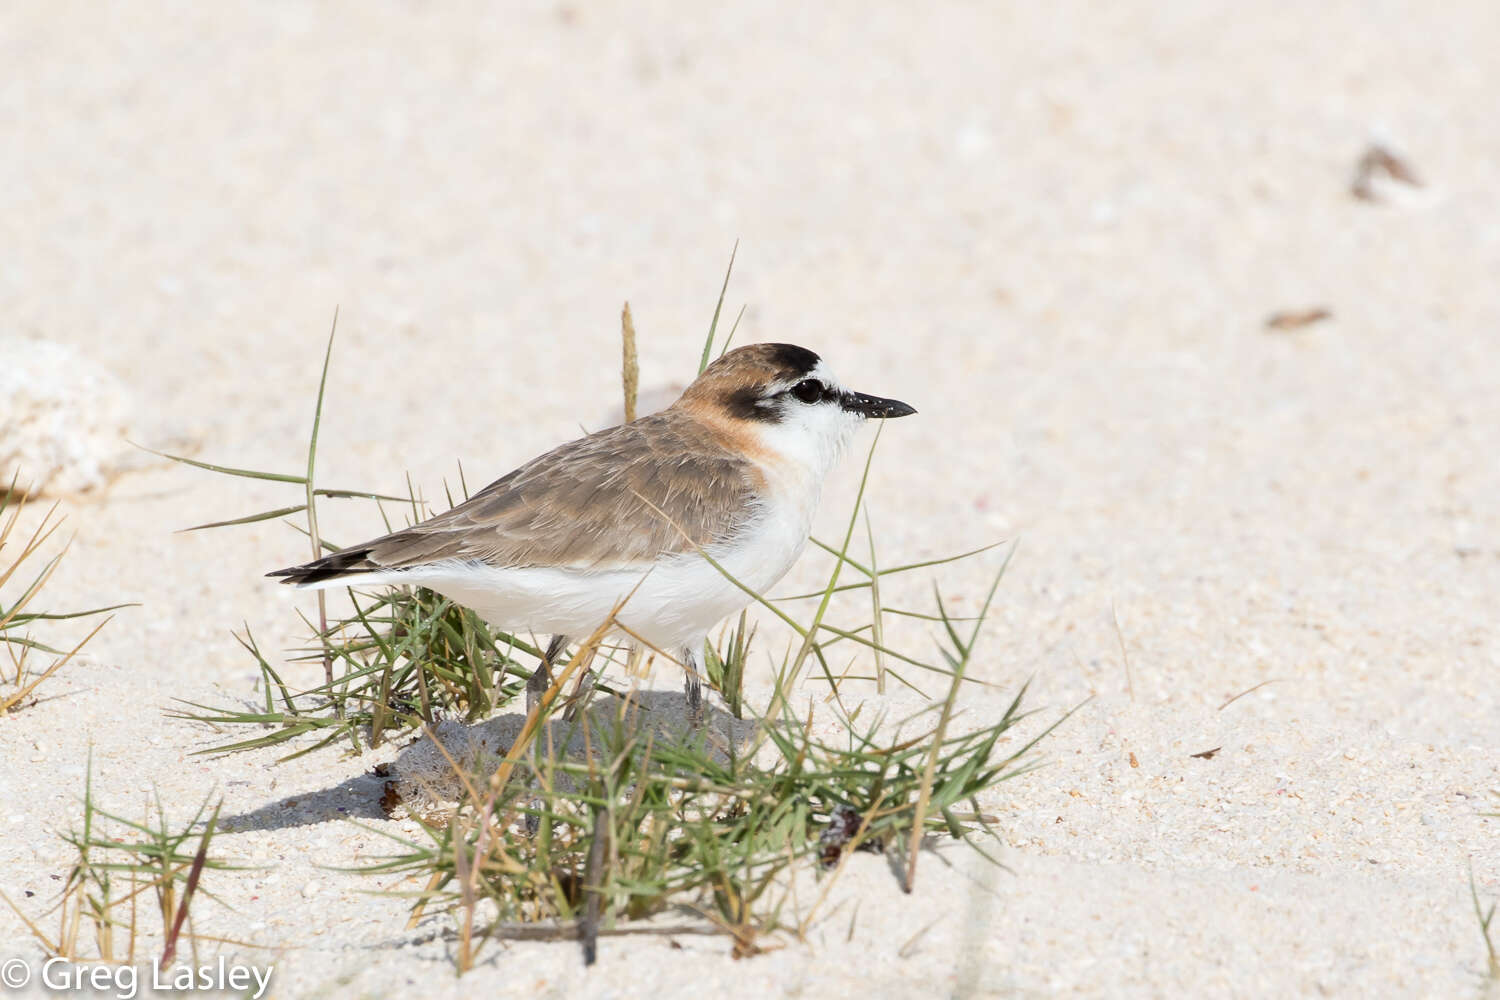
(421, 771)
(353, 798)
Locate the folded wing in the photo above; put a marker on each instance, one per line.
(619, 498)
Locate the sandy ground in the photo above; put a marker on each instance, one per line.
(1057, 234)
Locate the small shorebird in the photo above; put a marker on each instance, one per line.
(734, 468)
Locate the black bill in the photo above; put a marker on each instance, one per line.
(875, 406)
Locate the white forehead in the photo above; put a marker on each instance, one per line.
(824, 374)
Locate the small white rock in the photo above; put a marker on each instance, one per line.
(63, 419)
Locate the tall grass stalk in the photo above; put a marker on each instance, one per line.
(312, 513)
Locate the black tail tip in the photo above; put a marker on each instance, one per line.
(300, 574)
(339, 564)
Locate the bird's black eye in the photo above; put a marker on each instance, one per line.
(810, 390)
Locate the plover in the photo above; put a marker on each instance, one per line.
(733, 468)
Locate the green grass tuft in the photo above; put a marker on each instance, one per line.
(119, 863)
(18, 681)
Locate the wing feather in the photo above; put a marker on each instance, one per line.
(591, 504)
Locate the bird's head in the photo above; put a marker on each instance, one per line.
(785, 397)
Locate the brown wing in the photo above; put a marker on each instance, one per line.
(589, 504)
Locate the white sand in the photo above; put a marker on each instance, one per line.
(1058, 235)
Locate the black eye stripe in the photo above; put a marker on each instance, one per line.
(748, 404)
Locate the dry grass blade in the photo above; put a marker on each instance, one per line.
(1377, 160)
(630, 372)
(1296, 319)
(18, 645)
(48, 944)
(1249, 690)
(909, 948)
(169, 951)
(14, 698)
(1124, 653)
(549, 697)
(44, 530)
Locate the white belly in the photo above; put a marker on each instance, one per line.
(674, 605)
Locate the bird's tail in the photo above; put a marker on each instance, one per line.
(348, 563)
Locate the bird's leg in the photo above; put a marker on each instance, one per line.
(536, 686)
(579, 699)
(693, 688)
(541, 678)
